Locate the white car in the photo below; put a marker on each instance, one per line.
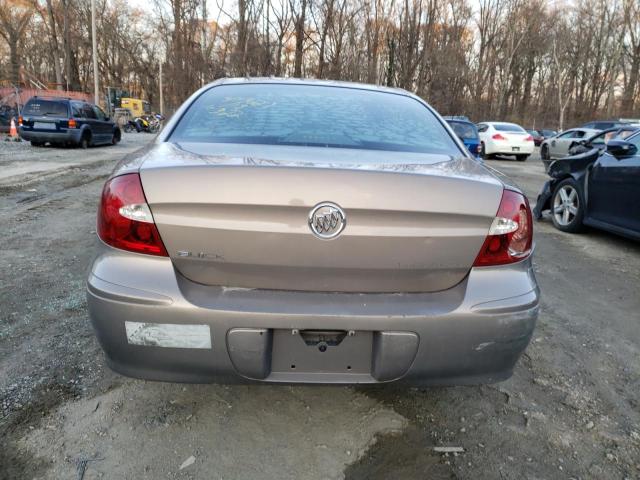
(502, 138)
(558, 146)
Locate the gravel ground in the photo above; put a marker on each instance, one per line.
(571, 410)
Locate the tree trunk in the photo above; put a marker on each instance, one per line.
(300, 21)
(55, 49)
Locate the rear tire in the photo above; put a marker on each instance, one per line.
(567, 206)
(544, 152)
(483, 152)
(522, 158)
(85, 141)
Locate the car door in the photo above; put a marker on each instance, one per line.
(103, 126)
(91, 121)
(560, 144)
(614, 189)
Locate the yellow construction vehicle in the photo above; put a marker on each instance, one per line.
(136, 106)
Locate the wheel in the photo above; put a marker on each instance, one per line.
(115, 139)
(128, 128)
(567, 206)
(483, 152)
(85, 141)
(35, 143)
(544, 152)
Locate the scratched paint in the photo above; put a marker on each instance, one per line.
(168, 335)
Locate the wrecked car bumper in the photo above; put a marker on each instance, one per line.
(155, 324)
(543, 200)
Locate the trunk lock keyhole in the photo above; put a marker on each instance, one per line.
(322, 346)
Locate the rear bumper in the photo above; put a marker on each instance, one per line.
(57, 136)
(506, 148)
(472, 333)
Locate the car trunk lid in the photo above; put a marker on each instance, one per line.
(234, 220)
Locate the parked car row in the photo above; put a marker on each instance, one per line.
(594, 169)
(487, 139)
(539, 136)
(66, 122)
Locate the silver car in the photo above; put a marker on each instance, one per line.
(558, 145)
(311, 231)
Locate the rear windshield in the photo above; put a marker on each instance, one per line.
(548, 133)
(309, 115)
(508, 127)
(50, 108)
(466, 131)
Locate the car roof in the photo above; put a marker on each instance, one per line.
(501, 123)
(457, 120)
(310, 81)
(50, 99)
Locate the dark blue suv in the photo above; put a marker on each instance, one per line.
(63, 121)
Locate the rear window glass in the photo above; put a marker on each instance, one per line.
(507, 127)
(548, 133)
(466, 131)
(318, 116)
(50, 108)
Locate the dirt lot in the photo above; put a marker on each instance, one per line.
(571, 410)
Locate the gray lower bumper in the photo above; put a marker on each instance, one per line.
(472, 333)
(54, 136)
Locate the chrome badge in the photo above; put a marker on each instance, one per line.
(327, 220)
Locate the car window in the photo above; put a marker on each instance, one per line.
(88, 111)
(578, 134)
(49, 108)
(634, 140)
(76, 110)
(625, 133)
(482, 127)
(567, 135)
(547, 133)
(312, 115)
(465, 131)
(599, 139)
(507, 127)
(99, 113)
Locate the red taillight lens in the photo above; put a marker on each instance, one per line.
(72, 123)
(124, 218)
(497, 136)
(529, 139)
(511, 234)
(20, 121)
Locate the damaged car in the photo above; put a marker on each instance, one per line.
(599, 188)
(600, 140)
(306, 231)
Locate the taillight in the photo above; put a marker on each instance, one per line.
(497, 136)
(20, 121)
(124, 218)
(72, 123)
(529, 139)
(511, 234)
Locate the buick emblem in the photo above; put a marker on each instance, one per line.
(327, 220)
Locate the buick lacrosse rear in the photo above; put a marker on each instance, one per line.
(308, 231)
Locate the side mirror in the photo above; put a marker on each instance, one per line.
(620, 148)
